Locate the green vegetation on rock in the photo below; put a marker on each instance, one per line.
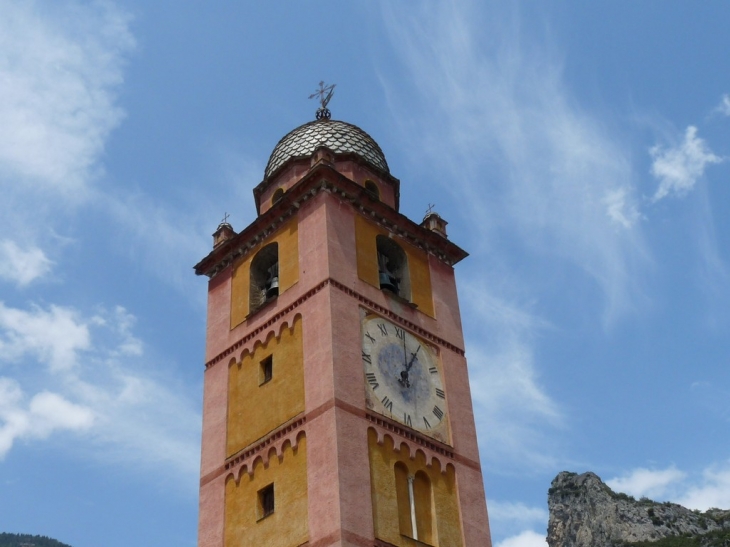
(719, 538)
(27, 540)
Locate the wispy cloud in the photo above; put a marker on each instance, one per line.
(710, 489)
(650, 483)
(516, 522)
(22, 265)
(621, 208)
(53, 337)
(44, 414)
(677, 168)
(527, 538)
(514, 413)
(59, 72)
(724, 106)
(516, 512)
(91, 376)
(74, 371)
(489, 109)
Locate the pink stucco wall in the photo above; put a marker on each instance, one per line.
(340, 506)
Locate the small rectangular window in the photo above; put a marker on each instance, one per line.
(266, 501)
(266, 370)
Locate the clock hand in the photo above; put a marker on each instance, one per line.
(413, 358)
(405, 362)
(403, 380)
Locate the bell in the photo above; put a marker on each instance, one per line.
(272, 288)
(387, 282)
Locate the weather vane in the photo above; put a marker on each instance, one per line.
(324, 94)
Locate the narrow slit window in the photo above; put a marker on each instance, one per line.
(266, 370)
(266, 501)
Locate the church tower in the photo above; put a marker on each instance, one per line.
(337, 408)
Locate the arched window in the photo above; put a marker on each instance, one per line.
(393, 267)
(264, 277)
(423, 502)
(372, 188)
(404, 501)
(415, 504)
(278, 194)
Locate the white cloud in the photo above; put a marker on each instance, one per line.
(167, 242)
(513, 411)
(61, 65)
(103, 386)
(650, 483)
(713, 490)
(710, 489)
(22, 265)
(678, 168)
(491, 118)
(724, 106)
(620, 207)
(44, 414)
(524, 539)
(54, 336)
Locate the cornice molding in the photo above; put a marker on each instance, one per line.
(324, 178)
(372, 306)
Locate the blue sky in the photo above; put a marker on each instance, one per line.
(578, 150)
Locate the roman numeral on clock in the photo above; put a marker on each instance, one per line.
(367, 358)
(370, 337)
(372, 380)
(438, 412)
(425, 421)
(440, 393)
(387, 403)
(400, 333)
(433, 370)
(407, 419)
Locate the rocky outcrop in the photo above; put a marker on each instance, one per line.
(585, 512)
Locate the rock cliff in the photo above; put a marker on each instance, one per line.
(585, 512)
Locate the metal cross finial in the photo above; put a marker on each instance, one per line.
(225, 218)
(430, 209)
(324, 94)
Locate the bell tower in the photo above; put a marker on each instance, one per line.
(337, 408)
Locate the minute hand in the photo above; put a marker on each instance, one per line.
(413, 358)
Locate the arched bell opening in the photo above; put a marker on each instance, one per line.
(264, 277)
(372, 189)
(393, 267)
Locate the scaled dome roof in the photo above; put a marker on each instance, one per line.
(340, 137)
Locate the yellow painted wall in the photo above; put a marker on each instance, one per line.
(388, 520)
(287, 526)
(253, 409)
(288, 239)
(367, 263)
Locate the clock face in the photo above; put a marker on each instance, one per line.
(403, 377)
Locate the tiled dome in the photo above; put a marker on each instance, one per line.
(340, 137)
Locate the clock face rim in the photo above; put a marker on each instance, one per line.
(416, 399)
